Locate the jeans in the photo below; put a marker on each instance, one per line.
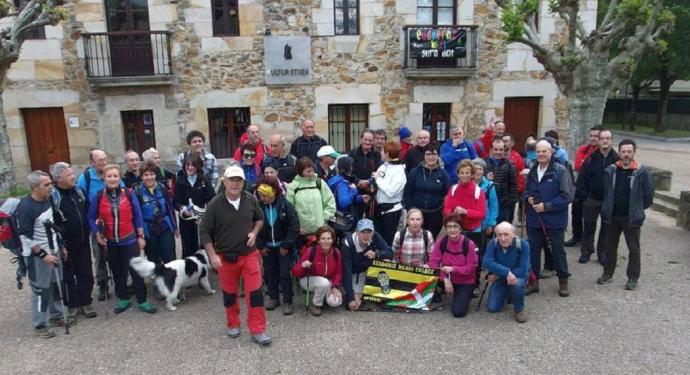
(462, 295)
(78, 275)
(632, 238)
(591, 211)
(161, 248)
(504, 211)
(498, 293)
(537, 241)
(119, 257)
(277, 272)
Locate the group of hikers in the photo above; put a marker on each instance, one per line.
(317, 216)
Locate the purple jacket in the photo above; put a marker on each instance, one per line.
(464, 267)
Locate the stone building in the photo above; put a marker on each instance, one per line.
(136, 73)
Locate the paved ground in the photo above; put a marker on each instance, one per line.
(599, 329)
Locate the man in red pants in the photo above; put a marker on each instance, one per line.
(228, 233)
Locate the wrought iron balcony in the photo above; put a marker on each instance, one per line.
(440, 51)
(128, 58)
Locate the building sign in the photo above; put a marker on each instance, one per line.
(287, 59)
(435, 42)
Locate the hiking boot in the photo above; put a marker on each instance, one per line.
(631, 284)
(60, 322)
(121, 306)
(520, 317)
(315, 310)
(563, 287)
(262, 339)
(604, 279)
(532, 288)
(147, 307)
(584, 258)
(102, 291)
(234, 333)
(43, 332)
(88, 311)
(546, 274)
(20, 284)
(287, 309)
(572, 242)
(72, 312)
(271, 303)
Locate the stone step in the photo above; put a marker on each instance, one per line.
(666, 197)
(664, 207)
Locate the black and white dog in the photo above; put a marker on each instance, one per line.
(171, 277)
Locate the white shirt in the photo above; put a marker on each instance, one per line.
(391, 184)
(540, 171)
(235, 203)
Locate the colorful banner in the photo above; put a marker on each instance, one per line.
(398, 285)
(435, 42)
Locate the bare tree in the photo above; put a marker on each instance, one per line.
(588, 66)
(26, 18)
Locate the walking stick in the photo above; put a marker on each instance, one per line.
(523, 213)
(104, 256)
(58, 280)
(481, 296)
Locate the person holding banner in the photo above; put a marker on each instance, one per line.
(358, 250)
(455, 256)
(319, 270)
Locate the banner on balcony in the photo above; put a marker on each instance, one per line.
(398, 285)
(435, 42)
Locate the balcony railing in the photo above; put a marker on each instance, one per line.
(440, 51)
(125, 58)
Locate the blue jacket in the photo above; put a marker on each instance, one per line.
(345, 195)
(516, 261)
(641, 195)
(147, 202)
(354, 262)
(426, 188)
(491, 203)
(452, 156)
(556, 192)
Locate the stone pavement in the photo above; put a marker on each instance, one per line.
(599, 329)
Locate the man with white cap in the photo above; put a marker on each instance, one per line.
(228, 233)
(325, 168)
(359, 249)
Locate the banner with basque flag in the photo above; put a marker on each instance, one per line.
(399, 285)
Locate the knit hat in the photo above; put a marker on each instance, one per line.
(404, 133)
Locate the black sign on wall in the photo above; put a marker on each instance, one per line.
(435, 42)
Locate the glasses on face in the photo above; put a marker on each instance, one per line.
(428, 154)
(249, 156)
(275, 145)
(606, 138)
(452, 226)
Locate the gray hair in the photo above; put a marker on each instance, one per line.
(479, 162)
(148, 154)
(545, 142)
(57, 169)
(128, 152)
(34, 178)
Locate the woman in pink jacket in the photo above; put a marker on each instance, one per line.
(456, 257)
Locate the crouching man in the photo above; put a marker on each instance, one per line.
(507, 259)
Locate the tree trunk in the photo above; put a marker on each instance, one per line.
(635, 106)
(585, 110)
(7, 180)
(665, 82)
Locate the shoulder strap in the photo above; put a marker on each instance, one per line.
(452, 189)
(87, 179)
(426, 235)
(477, 192)
(312, 253)
(444, 244)
(465, 245)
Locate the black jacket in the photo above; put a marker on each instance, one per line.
(201, 193)
(302, 147)
(505, 180)
(413, 158)
(641, 195)
(284, 230)
(131, 179)
(285, 166)
(364, 164)
(354, 262)
(590, 182)
(71, 217)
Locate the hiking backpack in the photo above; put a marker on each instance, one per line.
(9, 233)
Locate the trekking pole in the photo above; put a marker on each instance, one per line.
(481, 296)
(306, 303)
(58, 280)
(104, 256)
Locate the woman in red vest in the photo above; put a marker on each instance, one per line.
(115, 217)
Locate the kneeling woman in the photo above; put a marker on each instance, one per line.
(456, 257)
(120, 214)
(319, 270)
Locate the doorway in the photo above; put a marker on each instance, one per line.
(521, 115)
(46, 137)
(130, 42)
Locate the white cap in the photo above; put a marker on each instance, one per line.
(233, 171)
(327, 150)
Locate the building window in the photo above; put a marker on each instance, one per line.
(226, 18)
(436, 120)
(139, 132)
(345, 124)
(226, 126)
(436, 12)
(37, 32)
(346, 17)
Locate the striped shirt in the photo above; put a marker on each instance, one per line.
(411, 251)
(210, 165)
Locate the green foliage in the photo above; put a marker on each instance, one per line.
(5, 7)
(514, 15)
(17, 191)
(635, 12)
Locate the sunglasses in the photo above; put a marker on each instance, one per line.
(249, 156)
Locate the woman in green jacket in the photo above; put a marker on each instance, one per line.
(313, 200)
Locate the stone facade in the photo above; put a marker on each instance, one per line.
(221, 72)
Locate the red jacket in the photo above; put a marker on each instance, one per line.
(404, 147)
(464, 196)
(330, 267)
(582, 153)
(519, 164)
(487, 138)
(260, 148)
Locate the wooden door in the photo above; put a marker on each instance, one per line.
(521, 116)
(46, 137)
(130, 43)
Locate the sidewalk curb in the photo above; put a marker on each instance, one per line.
(652, 137)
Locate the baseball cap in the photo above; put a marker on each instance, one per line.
(365, 224)
(327, 151)
(233, 171)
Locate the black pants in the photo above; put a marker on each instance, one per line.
(576, 212)
(591, 211)
(387, 224)
(632, 239)
(189, 237)
(78, 275)
(462, 295)
(433, 221)
(476, 237)
(118, 258)
(277, 272)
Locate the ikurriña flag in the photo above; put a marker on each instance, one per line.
(399, 285)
